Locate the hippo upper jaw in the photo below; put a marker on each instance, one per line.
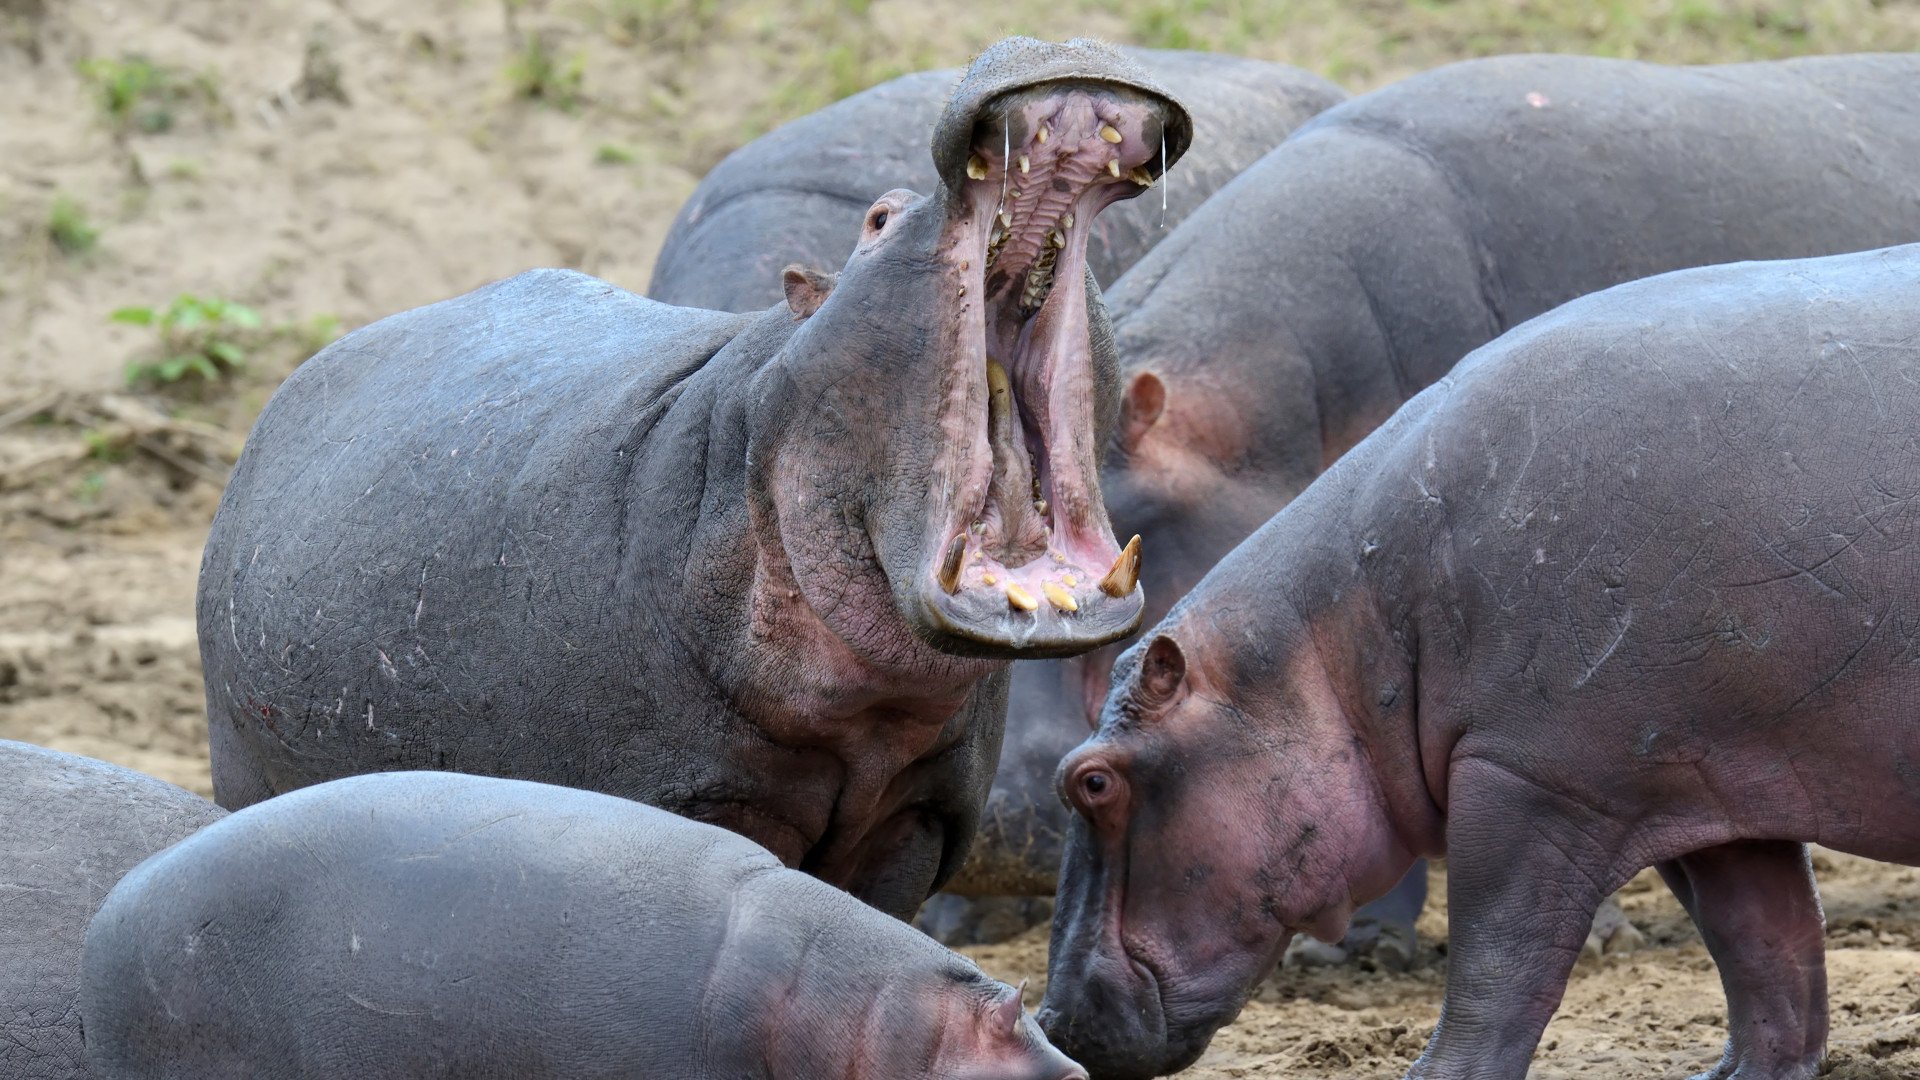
(1021, 561)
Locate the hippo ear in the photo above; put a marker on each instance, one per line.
(1006, 1015)
(1146, 399)
(806, 289)
(1162, 670)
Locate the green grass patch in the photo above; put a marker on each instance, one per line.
(139, 95)
(537, 73)
(68, 227)
(201, 338)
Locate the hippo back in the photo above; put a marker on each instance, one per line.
(69, 828)
(799, 193)
(438, 924)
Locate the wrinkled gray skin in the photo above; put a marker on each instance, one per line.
(555, 531)
(1633, 586)
(69, 828)
(797, 194)
(431, 924)
(1390, 237)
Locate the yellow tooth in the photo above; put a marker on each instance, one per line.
(977, 167)
(1141, 176)
(1113, 168)
(1067, 221)
(1042, 134)
(1021, 598)
(997, 381)
(1006, 219)
(989, 579)
(1070, 580)
(1023, 164)
(1040, 507)
(1058, 238)
(1108, 133)
(1125, 574)
(1058, 597)
(950, 566)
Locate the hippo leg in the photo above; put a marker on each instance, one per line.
(1525, 872)
(1758, 908)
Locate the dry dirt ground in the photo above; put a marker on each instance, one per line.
(337, 160)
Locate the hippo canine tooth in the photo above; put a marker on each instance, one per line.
(1020, 597)
(950, 566)
(1113, 168)
(976, 167)
(1059, 597)
(1110, 133)
(1125, 574)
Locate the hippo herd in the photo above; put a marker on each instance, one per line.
(1515, 465)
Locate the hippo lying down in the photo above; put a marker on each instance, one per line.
(1632, 586)
(69, 827)
(434, 924)
(764, 570)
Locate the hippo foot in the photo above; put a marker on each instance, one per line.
(1390, 946)
(1612, 934)
(954, 921)
(1754, 1067)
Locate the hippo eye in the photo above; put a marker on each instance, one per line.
(877, 220)
(1096, 784)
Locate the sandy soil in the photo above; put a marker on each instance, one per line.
(431, 177)
(1657, 1012)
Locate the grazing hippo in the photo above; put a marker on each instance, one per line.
(433, 924)
(1395, 234)
(797, 194)
(69, 827)
(1633, 586)
(765, 571)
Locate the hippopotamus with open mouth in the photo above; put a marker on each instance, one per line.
(1394, 234)
(765, 570)
(1633, 586)
(797, 194)
(431, 924)
(69, 827)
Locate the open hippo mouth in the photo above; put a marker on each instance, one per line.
(1024, 562)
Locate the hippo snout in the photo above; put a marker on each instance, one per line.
(1115, 1028)
(990, 97)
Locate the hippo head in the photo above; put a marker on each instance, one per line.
(952, 388)
(986, 1034)
(1224, 803)
(941, 1021)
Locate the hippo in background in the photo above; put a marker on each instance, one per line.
(766, 571)
(1632, 586)
(70, 826)
(796, 194)
(1391, 236)
(434, 924)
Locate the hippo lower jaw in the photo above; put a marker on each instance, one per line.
(1025, 563)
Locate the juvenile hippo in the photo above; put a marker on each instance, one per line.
(1633, 586)
(69, 827)
(762, 570)
(797, 194)
(432, 924)
(1392, 236)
